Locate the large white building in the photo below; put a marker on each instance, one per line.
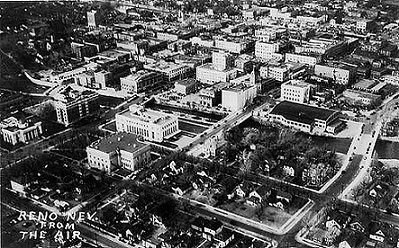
(146, 123)
(265, 50)
(305, 117)
(15, 131)
(341, 74)
(207, 74)
(121, 150)
(220, 70)
(296, 91)
(237, 97)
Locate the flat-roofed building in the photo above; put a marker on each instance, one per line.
(22, 130)
(73, 105)
(147, 123)
(341, 74)
(296, 91)
(208, 74)
(310, 60)
(361, 98)
(265, 50)
(121, 150)
(141, 81)
(305, 118)
(236, 97)
(170, 70)
(186, 86)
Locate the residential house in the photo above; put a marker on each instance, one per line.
(223, 238)
(208, 228)
(360, 224)
(257, 196)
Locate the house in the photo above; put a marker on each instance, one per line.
(258, 195)
(19, 184)
(208, 228)
(288, 171)
(337, 219)
(377, 235)
(281, 195)
(181, 189)
(223, 238)
(360, 224)
(350, 242)
(319, 235)
(378, 191)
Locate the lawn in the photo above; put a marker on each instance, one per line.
(204, 196)
(110, 127)
(192, 128)
(109, 101)
(271, 216)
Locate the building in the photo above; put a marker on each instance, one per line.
(83, 50)
(93, 19)
(186, 86)
(102, 78)
(267, 34)
(364, 25)
(141, 81)
(341, 74)
(171, 71)
(211, 96)
(222, 61)
(121, 150)
(310, 60)
(361, 98)
(265, 50)
(72, 105)
(87, 79)
(236, 97)
(305, 118)
(146, 123)
(236, 46)
(207, 74)
(320, 45)
(296, 91)
(282, 72)
(15, 131)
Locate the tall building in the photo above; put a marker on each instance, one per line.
(220, 70)
(222, 61)
(236, 97)
(141, 81)
(72, 105)
(266, 50)
(121, 150)
(296, 91)
(93, 19)
(146, 123)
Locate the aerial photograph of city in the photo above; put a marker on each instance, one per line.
(199, 124)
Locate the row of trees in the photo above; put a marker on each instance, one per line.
(267, 149)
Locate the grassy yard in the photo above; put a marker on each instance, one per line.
(192, 128)
(271, 216)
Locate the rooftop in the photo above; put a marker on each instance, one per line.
(301, 112)
(120, 141)
(297, 83)
(140, 113)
